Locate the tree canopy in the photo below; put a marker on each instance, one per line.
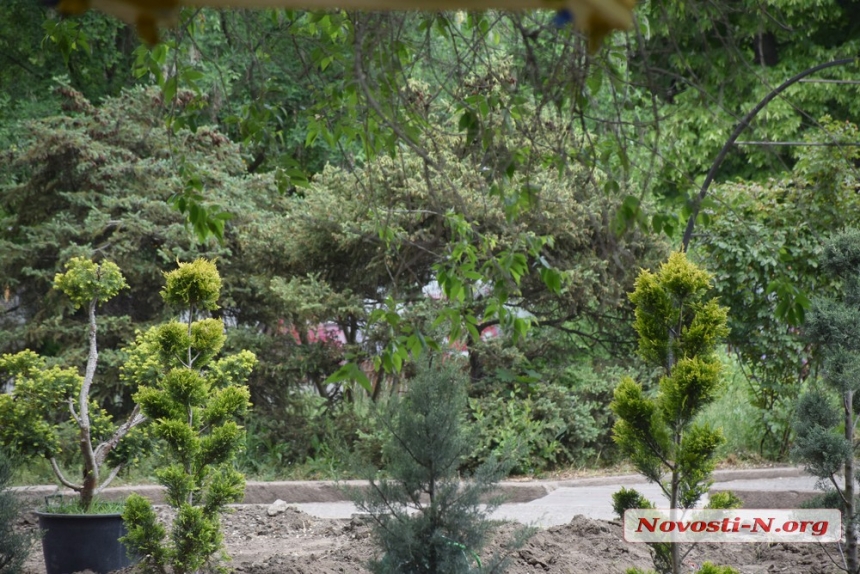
(376, 184)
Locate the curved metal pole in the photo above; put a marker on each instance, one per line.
(742, 125)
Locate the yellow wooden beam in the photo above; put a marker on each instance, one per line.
(597, 18)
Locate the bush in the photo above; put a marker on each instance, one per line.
(707, 568)
(710, 568)
(14, 546)
(825, 420)
(195, 402)
(742, 423)
(830, 498)
(311, 438)
(50, 409)
(564, 419)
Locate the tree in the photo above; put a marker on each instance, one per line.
(99, 179)
(194, 401)
(45, 403)
(362, 245)
(826, 417)
(103, 179)
(662, 552)
(354, 246)
(764, 245)
(678, 327)
(425, 519)
(93, 53)
(709, 64)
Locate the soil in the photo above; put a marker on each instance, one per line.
(293, 542)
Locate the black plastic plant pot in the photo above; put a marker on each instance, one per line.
(77, 542)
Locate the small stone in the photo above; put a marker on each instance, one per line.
(276, 508)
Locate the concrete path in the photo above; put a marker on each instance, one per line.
(593, 497)
(538, 502)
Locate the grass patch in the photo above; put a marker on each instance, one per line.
(38, 471)
(733, 413)
(63, 505)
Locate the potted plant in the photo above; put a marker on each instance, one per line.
(193, 398)
(50, 404)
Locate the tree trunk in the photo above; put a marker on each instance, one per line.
(673, 510)
(676, 479)
(476, 366)
(850, 523)
(89, 487)
(91, 469)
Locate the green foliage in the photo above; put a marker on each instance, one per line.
(50, 405)
(195, 285)
(91, 53)
(711, 568)
(628, 499)
(33, 414)
(707, 568)
(678, 326)
(86, 281)
(724, 500)
(145, 533)
(510, 247)
(486, 151)
(14, 546)
(527, 428)
(542, 422)
(427, 443)
(822, 451)
(830, 498)
(733, 411)
(194, 401)
(354, 243)
(763, 245)
(97, 180)
(312, 439)
(826, 418)
(61, 505)
(708, 65)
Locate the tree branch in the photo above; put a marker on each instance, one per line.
(83, 406)
(374, 105)
(134, 419)
(742, 125)
(63, 480)
(113, 474)
(73, 411)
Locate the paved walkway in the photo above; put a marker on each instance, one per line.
(538, 502)
(593, 497)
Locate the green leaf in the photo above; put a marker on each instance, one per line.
(552, 279)
(169, 89)
(351, 372)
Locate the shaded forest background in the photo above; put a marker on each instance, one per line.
(375, 186)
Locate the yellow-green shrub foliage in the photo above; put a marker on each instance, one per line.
(679, 325)
(195, 402)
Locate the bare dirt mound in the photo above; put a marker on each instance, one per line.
(293, 542)
(586, 546)
(583, 545)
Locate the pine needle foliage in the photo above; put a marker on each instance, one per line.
(425, 519)
(826, 417)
